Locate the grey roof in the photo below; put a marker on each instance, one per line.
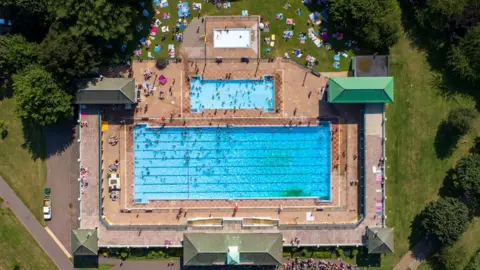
(370, 66)
(204, 249)
(84, 242)
(106, 91)
(380, 240)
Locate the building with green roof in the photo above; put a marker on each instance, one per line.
(380, 240)
(84, 242)
(360, 90)
(205, 249)
(106, 91)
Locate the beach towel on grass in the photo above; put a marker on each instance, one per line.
(171, 50)
(244, 12)
(197, 6)
(272, 43)
(183, 10)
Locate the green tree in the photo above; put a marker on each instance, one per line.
(444, 221)
(437, 15)
(464, 58)
(15, 54)
(466, 180)
(376, 22)
(32, 17)
(96, 18)
(67, 56)
(461, 120)
(39, 98)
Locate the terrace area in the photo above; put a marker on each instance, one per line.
(299, 101)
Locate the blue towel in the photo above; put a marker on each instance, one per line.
(183, 10)
(336, 58)
(157, 49)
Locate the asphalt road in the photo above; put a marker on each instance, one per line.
(62, 173)
(34, 227)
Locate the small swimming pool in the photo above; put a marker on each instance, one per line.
(232, 94)
(231, 163)
(231, 38)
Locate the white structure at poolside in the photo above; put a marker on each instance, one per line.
(231, 38)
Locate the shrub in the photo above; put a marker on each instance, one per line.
(466, 180)
(354, 253)
(339, 252)
(461, 119)
(124, 254)
(322, 254)
(444, 221)
(474, 263)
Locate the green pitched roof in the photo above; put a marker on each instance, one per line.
(84, 242)
(360, 90)
(380, 240)
(106, 91)
(203, 249)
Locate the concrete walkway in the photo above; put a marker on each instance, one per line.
(33, 226)
(137, 265)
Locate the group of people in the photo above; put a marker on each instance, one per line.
(298, 264)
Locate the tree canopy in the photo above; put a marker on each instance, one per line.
(466, 179)
(66, 56)
(15, 54)
(96, 18)
(461, 120)
(464, 58)
(444, 221)
(376, 22)
(39, 98)
(32, 17)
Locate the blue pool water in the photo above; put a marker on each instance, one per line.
(231, 162)
(231, 94)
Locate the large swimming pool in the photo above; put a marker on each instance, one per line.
(231, 162)
(231, 94)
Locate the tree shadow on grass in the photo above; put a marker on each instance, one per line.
(446, 140)
(59, 137)
(34, 139)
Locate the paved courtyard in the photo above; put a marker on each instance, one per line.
(298, 101)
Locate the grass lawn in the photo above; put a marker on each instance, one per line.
(415, 173)
(18, 247)
(27, 176)
(265, 8)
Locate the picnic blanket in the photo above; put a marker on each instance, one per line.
(162, 3)
(183, 10)
(171, 50)
(165, 29)
(197, 6)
